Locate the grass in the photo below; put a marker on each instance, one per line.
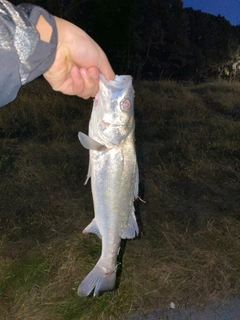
(187, 140)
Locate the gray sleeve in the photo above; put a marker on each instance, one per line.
(23, 56)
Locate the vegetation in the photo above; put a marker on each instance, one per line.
(187, 140)
(156, 39)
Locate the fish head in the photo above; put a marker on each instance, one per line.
(114, 106)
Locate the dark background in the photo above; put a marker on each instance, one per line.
(155, 39)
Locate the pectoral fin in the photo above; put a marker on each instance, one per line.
(131, 229)
(89, 143)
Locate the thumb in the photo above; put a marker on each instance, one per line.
(106, 69)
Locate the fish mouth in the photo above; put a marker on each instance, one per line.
(113, 125)
(106, 124)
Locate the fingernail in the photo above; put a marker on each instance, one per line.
(84, 73)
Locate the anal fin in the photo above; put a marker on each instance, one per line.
(93, 228)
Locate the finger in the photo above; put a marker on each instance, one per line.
(77, 79)
(95, 76)
(85, 82)
(94, 73)
(88, 85)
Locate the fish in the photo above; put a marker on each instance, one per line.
(113, 170)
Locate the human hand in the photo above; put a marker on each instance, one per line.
(78, 61)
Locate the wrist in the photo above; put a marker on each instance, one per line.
(44, 29)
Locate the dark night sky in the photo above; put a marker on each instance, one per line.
(230, 9)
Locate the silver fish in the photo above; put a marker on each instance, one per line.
(114, 177)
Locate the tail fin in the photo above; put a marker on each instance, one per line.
(98, 280)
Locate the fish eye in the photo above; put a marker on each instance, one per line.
(125, 104)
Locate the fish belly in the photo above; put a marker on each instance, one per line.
(113, 176)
